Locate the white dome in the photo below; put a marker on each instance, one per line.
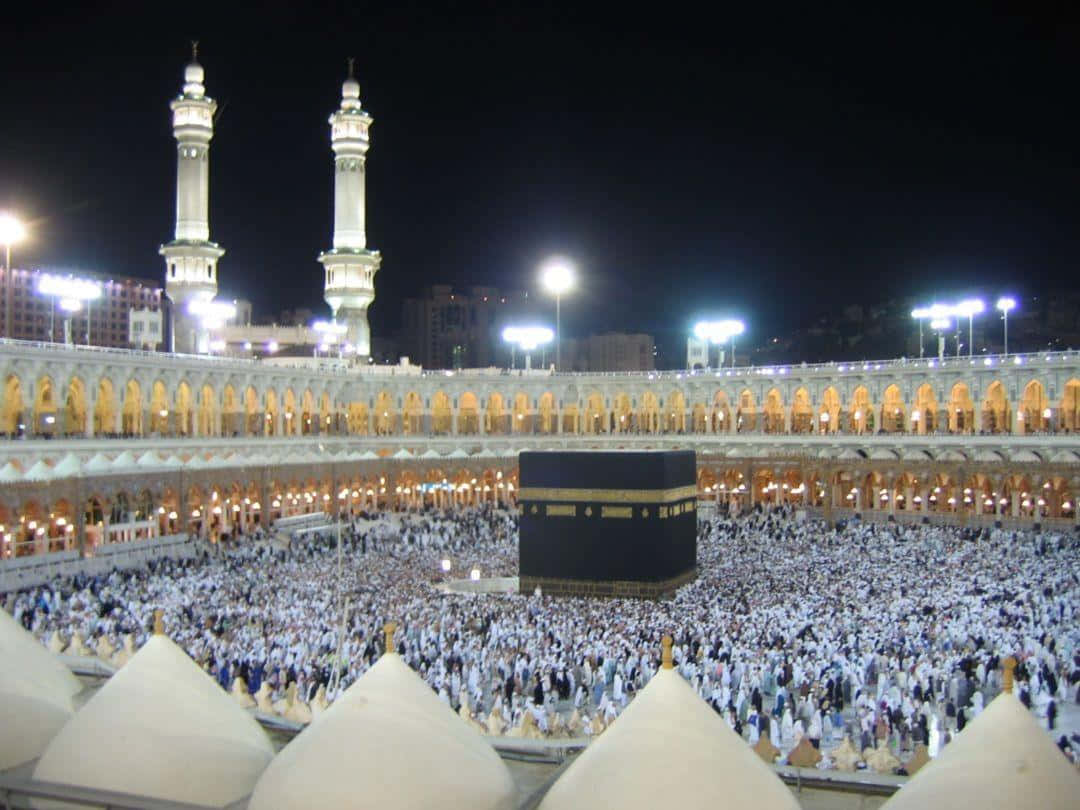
(1001, 760)
(162, 728)
(669, 749)
(35, 694)
(390, 740)
(194, 74)
(350, 89)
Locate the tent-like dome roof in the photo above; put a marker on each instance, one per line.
(669, 749)
(1001, 760)
(389, 739)
(35, 694)
(160, 727)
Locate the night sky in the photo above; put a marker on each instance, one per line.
(772, 167)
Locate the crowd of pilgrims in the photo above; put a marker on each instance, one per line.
(793, 628)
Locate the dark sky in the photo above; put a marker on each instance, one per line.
(770, 167)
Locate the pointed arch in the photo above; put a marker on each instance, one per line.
(159, 408)
(442, 416)
(105, 409)
(521, 420)
(675, 412)
(1033, 408)
(829, 411)
(961, 409)
(924, 416)
(412, 414)
(997, 413)
(1070, 407)
(468, 414)
(546, 409)
(131, 419)
(12, 416)
(495, 415)
(75, 410)
(802, 413)
(746, 415)
(774, 411)
(893, 410)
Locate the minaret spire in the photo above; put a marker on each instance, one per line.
(350, 266)
(191, 258)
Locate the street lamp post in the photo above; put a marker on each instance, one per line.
(12, 231)
(1005, 304)
(970, 308)
(557, 276)
(940, 325)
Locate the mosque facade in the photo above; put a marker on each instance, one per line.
(167, 443)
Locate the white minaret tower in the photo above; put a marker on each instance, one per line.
(191, 258)
(350, 266)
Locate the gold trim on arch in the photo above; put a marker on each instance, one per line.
(580, 495)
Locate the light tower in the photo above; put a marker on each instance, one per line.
(350, 266)
(191, 258)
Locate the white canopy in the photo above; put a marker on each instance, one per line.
(1001, 760)
(669, 749)
(160, 727)
(9, 472)
(35, 694)
(149, 459)
(391, 741)
(123, 462)
(402, 453)
(484, 453)
(98, 463)
(431, 452)
(67, 467)
(458, 453)
(40, 471)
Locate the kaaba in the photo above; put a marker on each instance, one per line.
(600, 523)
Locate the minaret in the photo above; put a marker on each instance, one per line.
(350, 266)
(191, 258)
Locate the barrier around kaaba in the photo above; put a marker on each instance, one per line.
(607, 523)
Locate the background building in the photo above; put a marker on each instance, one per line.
(35, 316)
(449, 329)
(611, 351)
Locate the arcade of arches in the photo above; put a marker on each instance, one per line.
(78, 407)
(86, 513)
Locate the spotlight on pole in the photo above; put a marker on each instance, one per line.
(719, 332)
(969, 309)
(1005, 304)
(527, 338)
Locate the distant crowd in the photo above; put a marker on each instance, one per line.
(891, 636)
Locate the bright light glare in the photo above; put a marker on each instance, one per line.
(445, 565)
(213, 314)
(557, 275)
(718, 331)
(272, 346)
(75, 289)
(474, 575)
(940, 323)
(330, 327)
(527, 337)
(972, 306)
(217, 345)
(70, 305)
(12, 231)
(1006, 303)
